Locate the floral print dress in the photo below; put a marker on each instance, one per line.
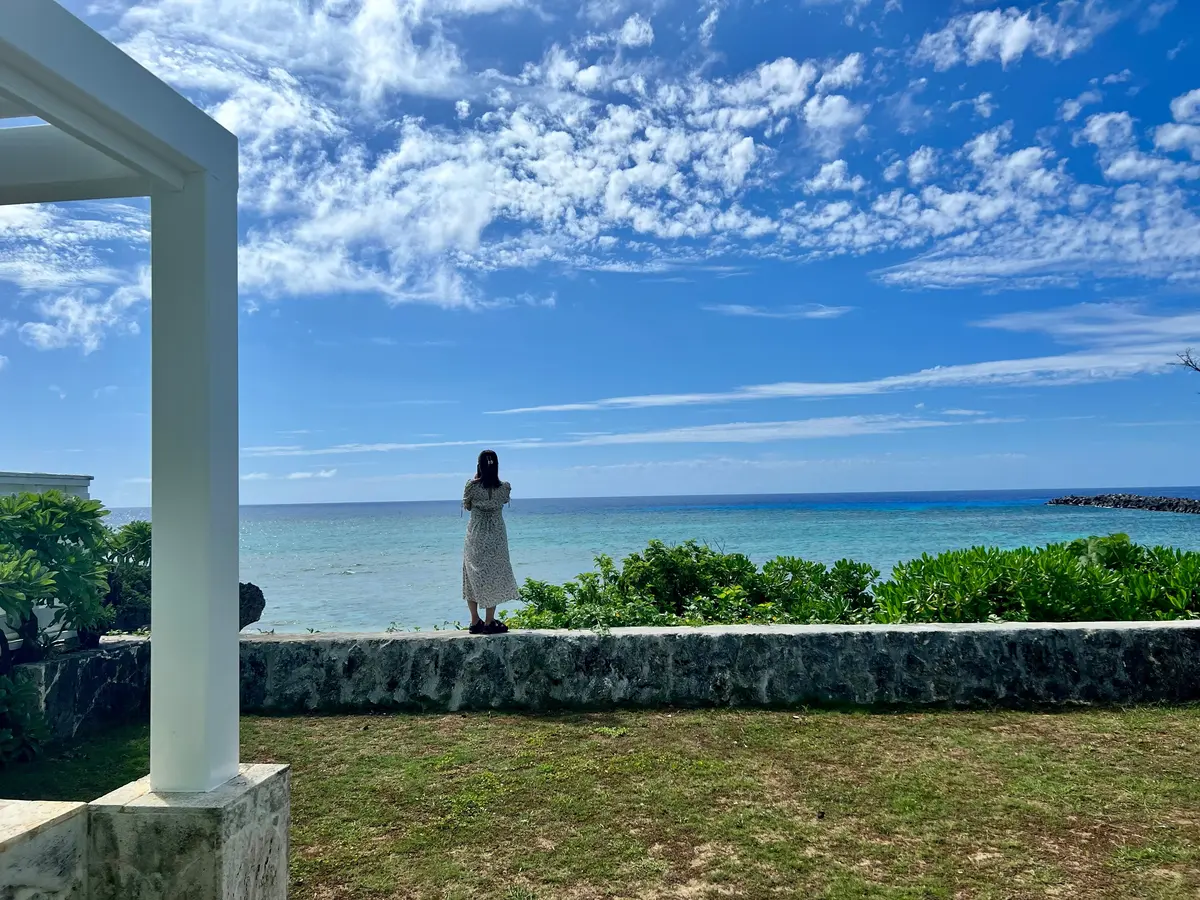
(487, 571)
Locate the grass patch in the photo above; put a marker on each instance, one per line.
(717, 803)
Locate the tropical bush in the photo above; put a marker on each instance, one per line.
(53, 547)
(128, 595)
(56, 550)
(1093, 579)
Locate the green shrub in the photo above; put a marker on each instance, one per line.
(1094, 579)
(128, 593)
(65, 535)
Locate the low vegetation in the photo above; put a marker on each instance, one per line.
(1093, 579)
(57, 553)
(719, 803)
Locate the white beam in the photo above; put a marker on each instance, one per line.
(85, 128)
(10, 110)
(72, 77)
(40, 164)
(194, 493)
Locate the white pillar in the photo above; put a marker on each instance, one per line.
(194, 434)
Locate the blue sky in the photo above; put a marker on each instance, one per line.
(650, 248)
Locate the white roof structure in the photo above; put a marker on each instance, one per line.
(112, 129)
(36, 482)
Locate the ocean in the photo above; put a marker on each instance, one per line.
(368, 566)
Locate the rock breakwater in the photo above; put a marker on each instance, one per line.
(1132, 501)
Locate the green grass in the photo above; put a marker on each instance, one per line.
(709, 804)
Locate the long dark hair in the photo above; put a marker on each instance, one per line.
(487, 472)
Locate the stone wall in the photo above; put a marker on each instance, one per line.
(90, 689)
(782, 665)
(925, 665)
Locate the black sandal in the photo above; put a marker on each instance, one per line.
(495, 627)
(478, 628)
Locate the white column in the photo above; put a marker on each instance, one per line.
(194, 433)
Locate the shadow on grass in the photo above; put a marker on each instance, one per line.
(82, 771)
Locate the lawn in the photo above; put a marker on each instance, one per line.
(719, 803)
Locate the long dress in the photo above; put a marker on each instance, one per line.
(487, 571)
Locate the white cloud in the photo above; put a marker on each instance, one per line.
(1183, 133)
(590, 158)
(1071, 109)
(1186, 107)
(321, 473)
(984, 106)
(1121, 342)
(1102, 325)
(1120, 158)
(922, 165)
(809, 311)
(834, 176)
(712, 12)
(762, 432)
(846, 73)
(1065, 369)
(1004, 35)
(721, 433)
(84, 316)
(636, 32)
(1175, 137)
(1118, 77)
(1154, 14)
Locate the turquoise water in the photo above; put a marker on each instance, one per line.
(362, 567)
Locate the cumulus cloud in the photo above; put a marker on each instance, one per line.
(835, 176)
(636, 32)
(1005, 35)
(1186, 107)
(922, 165)
(592, 157)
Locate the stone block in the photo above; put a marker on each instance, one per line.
(43, 850)
(227, 844)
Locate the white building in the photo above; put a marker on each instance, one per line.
(37, 482)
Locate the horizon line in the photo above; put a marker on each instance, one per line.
(1063, 491)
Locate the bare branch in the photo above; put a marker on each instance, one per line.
(1188, 361)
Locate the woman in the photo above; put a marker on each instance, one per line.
(487, 572)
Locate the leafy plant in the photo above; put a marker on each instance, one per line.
(128, 594)
(65, 535)
(23, 582)
(1097, 578)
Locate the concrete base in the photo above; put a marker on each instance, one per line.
(227, 844)
(43, 850)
